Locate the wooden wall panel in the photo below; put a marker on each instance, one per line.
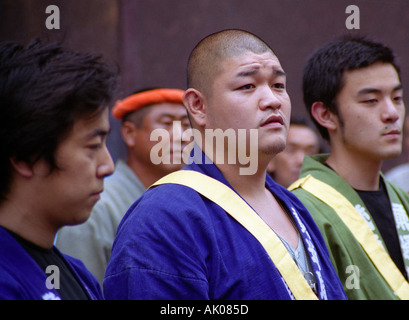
(151, 39)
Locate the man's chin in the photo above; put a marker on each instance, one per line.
(175, 164)
(392, 153)
(274, 148)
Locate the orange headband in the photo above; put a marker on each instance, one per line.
(139, 100)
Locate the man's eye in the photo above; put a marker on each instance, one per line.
(398, 99)
(370, 101)
(95, 147)
(279, 85)
(246, 87)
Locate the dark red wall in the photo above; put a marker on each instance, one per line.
(151, 39)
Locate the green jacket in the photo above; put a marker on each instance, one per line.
(359, 276)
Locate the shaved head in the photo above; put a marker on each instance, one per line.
(205, 61)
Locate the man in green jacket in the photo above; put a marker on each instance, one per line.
(353, 92)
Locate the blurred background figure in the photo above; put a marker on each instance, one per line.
(400, 174)
(140, 113)
(302, 140)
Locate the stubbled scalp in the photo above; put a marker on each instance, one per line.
(205, 61)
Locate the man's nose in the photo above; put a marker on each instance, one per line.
(269, 98)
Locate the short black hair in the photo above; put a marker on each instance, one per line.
(323, 73)
(43, 89)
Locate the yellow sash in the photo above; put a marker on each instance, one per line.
(233, 204)
(359, 228)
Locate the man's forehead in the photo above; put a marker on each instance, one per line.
(87, 128)
(372, 73)
(249, 62)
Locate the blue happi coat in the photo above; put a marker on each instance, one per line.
(175, 244)
(21, 278)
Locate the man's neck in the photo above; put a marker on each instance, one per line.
(147, 174)
(246, 185)
(246, 178)
(359, 172)
(25, 224)
(252, 188)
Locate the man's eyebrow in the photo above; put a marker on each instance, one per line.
(279, 72)
(98, 133)
(375, 90)
(249, 73)
(171, 115)
(398, 87)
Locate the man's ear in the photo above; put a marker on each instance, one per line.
(195, 103)
(129, 132)
(22, 168)
(323, 116)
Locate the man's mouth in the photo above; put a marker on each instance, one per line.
(274, 121)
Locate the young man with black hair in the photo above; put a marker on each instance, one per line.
(53, 128)
(353, 92)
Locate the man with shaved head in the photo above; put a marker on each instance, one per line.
(211, 230)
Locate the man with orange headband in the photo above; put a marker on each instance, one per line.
(140, 113)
